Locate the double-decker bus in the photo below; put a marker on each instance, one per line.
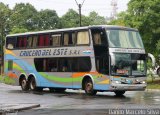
(94, 58)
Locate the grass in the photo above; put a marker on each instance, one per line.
(1, 78)
(153, 84)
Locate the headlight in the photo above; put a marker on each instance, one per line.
(117, 82)
(143, 82)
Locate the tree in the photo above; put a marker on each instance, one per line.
(48, 19)
(24, 16)
(4, 21)
(95, 19)
(70, 19)
(122, 20)
(145, 16)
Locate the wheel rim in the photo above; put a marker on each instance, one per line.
(32, 85)
(89, 87)
(23, 84)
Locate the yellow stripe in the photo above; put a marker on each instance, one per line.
(104, 82)
(9, 52)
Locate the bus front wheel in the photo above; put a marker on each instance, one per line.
(119, 93)
(33, 86)
(24, 84)
(88, 87)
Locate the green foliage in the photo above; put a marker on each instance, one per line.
(145, 16)
(48, 19)
(24, 16)
(95, 19)
(18, 30)
(4, 19)
(70, 19)
(1, 78)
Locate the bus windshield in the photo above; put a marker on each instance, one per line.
(128, 64)
(124, 39)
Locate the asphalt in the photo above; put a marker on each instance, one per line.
(13, 108)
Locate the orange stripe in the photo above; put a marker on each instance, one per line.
(80, 74)
(12, 75)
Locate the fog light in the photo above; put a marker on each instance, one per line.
(117, 82)
(143, 82)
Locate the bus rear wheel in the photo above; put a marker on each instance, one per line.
(119, 93)
(24, 84)
(88, 87)
(33, 86)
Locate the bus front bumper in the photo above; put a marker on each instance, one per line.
(128, 87)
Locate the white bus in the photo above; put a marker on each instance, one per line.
(93, 58)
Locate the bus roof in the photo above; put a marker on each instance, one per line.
(76, 28)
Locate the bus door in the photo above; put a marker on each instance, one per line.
(100, 50)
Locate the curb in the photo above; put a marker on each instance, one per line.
(13, 108)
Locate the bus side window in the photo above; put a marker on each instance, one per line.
(64, 65)
(21, 42)
(97, 38)
(55, 40)
(83, 38)
(53, 65)
(43, 40)
(29, 42)
(11, 42)
(32, 41)
(69, 39)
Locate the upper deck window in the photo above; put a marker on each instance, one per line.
(124, 39)
(69, 39)
(43, 40)
(83, 38)
(21, 42)
(11, 42)
(55, 40)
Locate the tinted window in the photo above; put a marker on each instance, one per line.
(21, 42)
(75, 64)
(11, 42)
(43, 40)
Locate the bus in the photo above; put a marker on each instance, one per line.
(93, 58)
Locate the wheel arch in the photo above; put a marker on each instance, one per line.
(87, 76)
(30, 76)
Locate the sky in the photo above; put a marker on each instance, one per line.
(102, 7)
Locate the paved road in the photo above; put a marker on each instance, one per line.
(76, 102)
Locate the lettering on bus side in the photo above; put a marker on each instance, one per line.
(49, 52)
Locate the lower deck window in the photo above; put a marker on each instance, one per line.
(68, 64)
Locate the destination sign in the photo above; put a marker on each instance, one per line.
(121, 50)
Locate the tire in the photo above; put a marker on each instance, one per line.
(59, 90)
(33, 85)
(52, 90)
(24, 84)
(88, 87)
(119, 93)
